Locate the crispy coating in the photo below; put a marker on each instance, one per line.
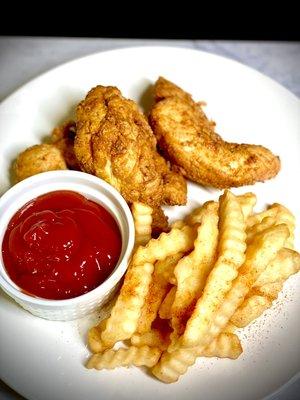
(36, 159)
(188, 139)
(174, 184)
(159, 222)
(114, 142)
(63, 138)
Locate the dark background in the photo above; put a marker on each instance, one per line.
(243, 20)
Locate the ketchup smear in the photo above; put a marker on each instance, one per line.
(61, 245)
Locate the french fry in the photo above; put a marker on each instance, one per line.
(257, 218)
(250, 309)
(94, 337)
(281, 215)
(231, 250)
(269, 290)
(94, 340)
(226, 345)
(167, 267)
(172, 365)
(196, 216)
(166, 306)
(186, 292)
(267, 287)
(138, 356)
(126, 312)
(259, 253)
(285, 264)
(153, 338)
(157, 291)
(278, 214)
(265, 223)
(258, 256)
(229, 328)
(192, 270)
(167, 244)
(258, 301)
(142, 216)
(247, 202)
(284, 216)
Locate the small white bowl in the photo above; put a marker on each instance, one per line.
(94, 189)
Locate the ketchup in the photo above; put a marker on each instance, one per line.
(61, 245)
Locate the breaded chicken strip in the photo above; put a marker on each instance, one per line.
(187, 138)
(36, 159)
(174, 184)
(115, 142)
(159, 222)
(63, 138)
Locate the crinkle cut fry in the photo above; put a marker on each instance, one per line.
(285, 264)
(172, 365)
(283, 216)
(231, 255)
(124, 317)
(192, 270)
(267, 287)
(270, 290)
(153, 338)
(265, 223)
(280, 214)
(259, 254)
(126, 312)
(167, 244)
(163, 269)
(196, 216)
(247, 201)
(110, 359)
(94, 337)
(250, 309)
(142, 216)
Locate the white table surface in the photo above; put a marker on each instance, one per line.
(22, 59)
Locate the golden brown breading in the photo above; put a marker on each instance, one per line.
(114, 142)
(159, 222)
(63, 138)
(187, 138)
(36, 159)
(174, 188)
(174, 184)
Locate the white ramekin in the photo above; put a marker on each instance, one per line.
(93, 188)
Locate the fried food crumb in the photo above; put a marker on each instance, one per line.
(37, 159)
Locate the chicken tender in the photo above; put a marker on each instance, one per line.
(187, 138)
(36, 159)
(159, 222)
(115, 142)
(63, 138)
(174, 184)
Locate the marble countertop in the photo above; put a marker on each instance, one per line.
(22, 59)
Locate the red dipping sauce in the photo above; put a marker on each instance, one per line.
(61, 245)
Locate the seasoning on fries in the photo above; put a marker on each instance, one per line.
(186, 292)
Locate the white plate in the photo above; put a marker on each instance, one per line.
(44, 360)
